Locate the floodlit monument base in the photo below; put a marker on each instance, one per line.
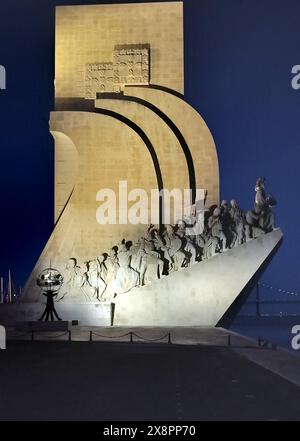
(88, 314)
(196, 296)
(200, 295)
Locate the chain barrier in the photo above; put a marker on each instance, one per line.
(109, 337)
(32, 334)
(153, 340)
(131, 335)
(50, 337)
(262, 343)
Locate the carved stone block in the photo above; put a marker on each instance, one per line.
(131, 65)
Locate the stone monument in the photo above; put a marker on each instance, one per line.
(121, 117)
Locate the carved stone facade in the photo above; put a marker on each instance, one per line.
(159, 253)
(99, 78)
(142, 139)
(90, 34)
(130, 66)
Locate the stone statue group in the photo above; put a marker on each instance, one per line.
(162, 251)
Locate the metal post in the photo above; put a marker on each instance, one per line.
(70, 335)
(131, 337)
(170, 339)
(229, 340)
(91, 335)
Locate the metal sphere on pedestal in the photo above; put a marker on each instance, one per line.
(50, 280)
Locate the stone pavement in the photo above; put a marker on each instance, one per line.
(203, 380)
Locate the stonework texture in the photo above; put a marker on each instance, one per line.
(134, 53)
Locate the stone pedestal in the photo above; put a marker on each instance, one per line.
(199, 295)
(57, 326)
(88, 314)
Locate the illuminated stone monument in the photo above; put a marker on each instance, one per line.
(120, 117)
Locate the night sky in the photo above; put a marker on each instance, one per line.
(238, 59)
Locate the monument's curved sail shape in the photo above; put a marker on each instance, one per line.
(120, 116)
(66, 170)
(195, 132)
(103, 160)
(168, 149)
(167, 124)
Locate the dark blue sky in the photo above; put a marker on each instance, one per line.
(238, 58)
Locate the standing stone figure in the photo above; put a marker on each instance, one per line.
(237, 218)
(73, 274)
(261, 219)
(109, 269)
(216, 228)
(94, 280)
(126, 277)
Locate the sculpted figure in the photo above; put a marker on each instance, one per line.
(195, 223)
(187, 245)
(261, 218)
(109, 269)
(74, 280)
(153, 264)
(252, 227)
(157, 238)
(199, 236)
(200, 240)
(237, 218)
(174, 248)
(137, 259)
(143, 265)
(210, 246)
(94, 280)
(126, 278)
(160, 247)
(166, 248)
(260, 194)
(73, 274)
(265, 203)
(216, 228)
(228, 225)
(87, 290)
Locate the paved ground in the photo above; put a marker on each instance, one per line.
(119, 382)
